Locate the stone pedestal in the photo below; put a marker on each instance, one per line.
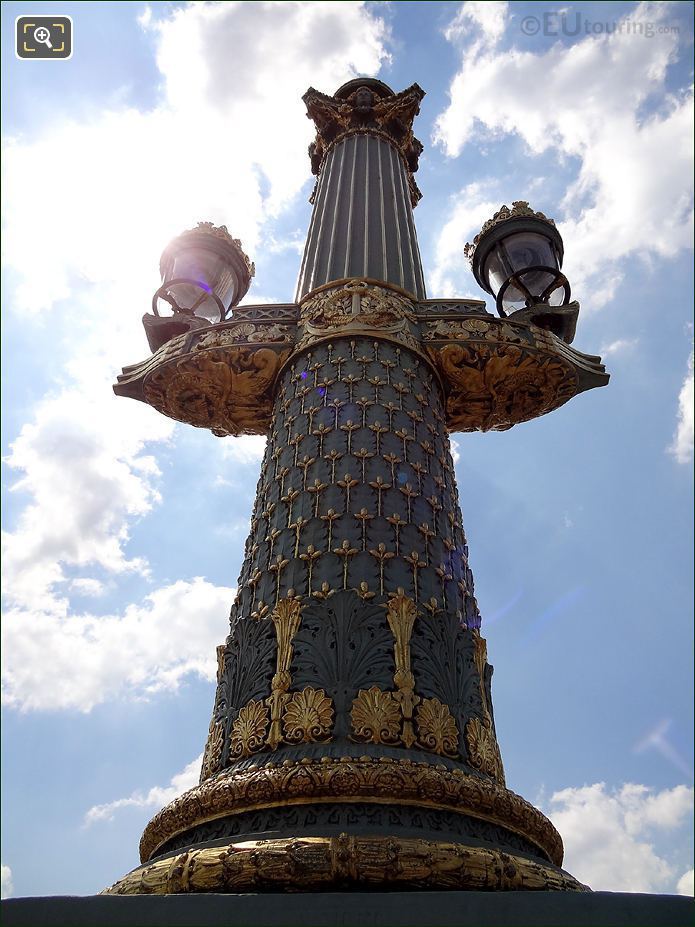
(356, 909)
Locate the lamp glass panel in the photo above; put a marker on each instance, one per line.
(513, 299)
(529, 249)
(209, 270)
(537, 281)
(189, 296)
(557, 297)
(496, 269)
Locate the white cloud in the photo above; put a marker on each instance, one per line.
(86, 473)
(88, 587)
(593, 102)
(468, 210)
(487, 17)
(619, 346)
(682, 446)
(248, 449)
(137, 178)
(57, 660)
(154, 799)
(609, 835)
(686, 883)
(226, 142)
(7, 888)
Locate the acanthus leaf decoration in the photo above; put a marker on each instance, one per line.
(212, 755)
(342, 647)
(371, 111)
(352, 779)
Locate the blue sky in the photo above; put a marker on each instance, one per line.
(123, 532)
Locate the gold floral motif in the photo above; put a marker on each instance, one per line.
(352, 779)
(217, 338)
(308, 716)
(436, 727)
(249, 730)
(483, 751)
(376, 717)
(320, 863)
(212, 755)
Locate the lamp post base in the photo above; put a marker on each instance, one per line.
(339, 863)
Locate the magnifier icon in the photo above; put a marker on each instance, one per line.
(43, 36)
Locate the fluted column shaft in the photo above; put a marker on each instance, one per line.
(362, 224)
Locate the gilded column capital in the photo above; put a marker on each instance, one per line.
(366, 106)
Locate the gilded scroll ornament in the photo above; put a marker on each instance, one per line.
(249, 730)
(245, 332)
(286, 618)
(308, 716)
(480, 660)
(401, 613)
(436, 728)
(474, 329)
(212, 755)
(376, 717)
(219, 652)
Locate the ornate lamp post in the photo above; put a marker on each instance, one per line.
(352, 740)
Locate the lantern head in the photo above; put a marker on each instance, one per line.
(517, 258)
(204, 273)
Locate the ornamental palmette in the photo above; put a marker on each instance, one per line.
(353, 706)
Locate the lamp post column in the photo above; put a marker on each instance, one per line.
(352, 740)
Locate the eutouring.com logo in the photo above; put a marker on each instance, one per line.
(571, 25)
(43, 37)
